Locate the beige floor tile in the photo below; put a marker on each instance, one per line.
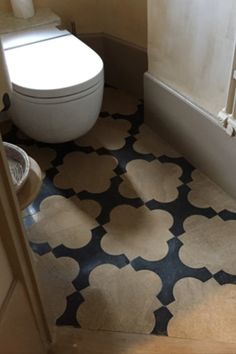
(85, 172)
(90, 207)
(194, 222)
(203, 311)
(150, 142)
(120, 300)
(43, 156)
(108, 133)
(55, 276)
(66, 221)
(123, 299)
(212, 244)
(117, 101)
(206, 193)
(138, 232)
(151, 180)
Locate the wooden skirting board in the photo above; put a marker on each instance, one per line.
(79, 341)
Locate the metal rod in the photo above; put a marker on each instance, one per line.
(232, 87)
(234, 107)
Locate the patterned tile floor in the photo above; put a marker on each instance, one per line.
(128, 236)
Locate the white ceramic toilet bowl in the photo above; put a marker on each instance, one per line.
(58, 85)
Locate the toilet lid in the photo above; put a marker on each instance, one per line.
(55, 67)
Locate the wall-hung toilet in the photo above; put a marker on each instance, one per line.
(58, 84)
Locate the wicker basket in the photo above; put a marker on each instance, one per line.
(19, 164)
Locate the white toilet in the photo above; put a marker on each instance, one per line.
(58, 84)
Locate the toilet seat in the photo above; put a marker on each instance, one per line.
(60, 100)
(58, 84)
(54, 67)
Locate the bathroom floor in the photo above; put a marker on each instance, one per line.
(128, 236)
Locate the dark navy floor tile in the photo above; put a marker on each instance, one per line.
(89, 257)
(110, 199)
(163, 316)
(225, 278)
(171, 269)
(126, 154)
(181, 209)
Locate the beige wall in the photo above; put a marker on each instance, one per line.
(191, 46)
(5, 5)
(125, 19)
(85, 13)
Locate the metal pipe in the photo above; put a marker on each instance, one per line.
(232, 87)
(234, 106)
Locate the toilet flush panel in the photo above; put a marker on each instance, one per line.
(54, 68)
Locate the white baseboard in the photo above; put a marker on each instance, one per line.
(193, 132)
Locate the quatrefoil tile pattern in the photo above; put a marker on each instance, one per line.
(127, 235)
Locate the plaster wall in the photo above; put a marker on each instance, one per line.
(126, 19)
(190, 47)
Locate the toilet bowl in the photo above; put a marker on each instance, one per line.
(57, 81)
